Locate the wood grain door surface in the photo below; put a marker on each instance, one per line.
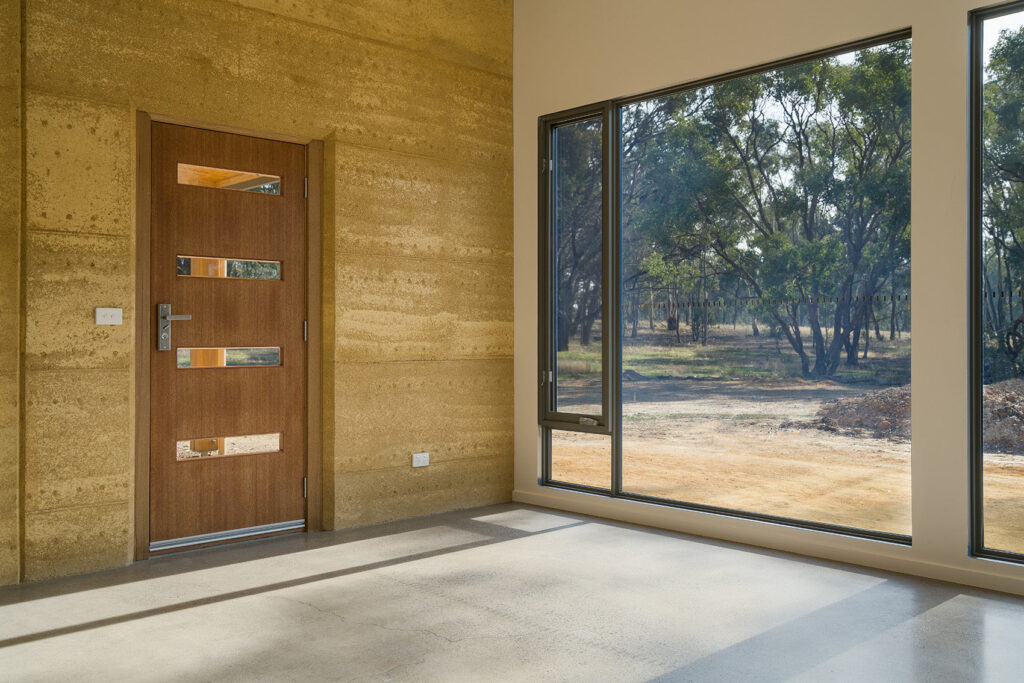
(218, 492)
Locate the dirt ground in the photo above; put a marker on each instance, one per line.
(758, 445)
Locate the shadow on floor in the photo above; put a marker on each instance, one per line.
(221, 556)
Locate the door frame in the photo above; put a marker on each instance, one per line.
(142, 319)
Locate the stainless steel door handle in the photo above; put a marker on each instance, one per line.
(163, 326)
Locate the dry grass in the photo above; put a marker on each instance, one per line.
(731, 353)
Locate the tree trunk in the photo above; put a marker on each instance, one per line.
(867, 337)
(817, 339)
(585, 331)
(836, 347)
(1000, 304)
(650, 310)
(854, 325)
(852, 347)
(892, 310)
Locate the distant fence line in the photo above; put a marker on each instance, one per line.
(1003, 294)
(769, 301)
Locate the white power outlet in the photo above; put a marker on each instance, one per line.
(109, 316)
(420, 459)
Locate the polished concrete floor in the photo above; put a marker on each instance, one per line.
(504, 593)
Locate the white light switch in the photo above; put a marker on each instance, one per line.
(109, 316)
(420, 459)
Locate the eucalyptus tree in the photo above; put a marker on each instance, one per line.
(794, 182)
(789, 188)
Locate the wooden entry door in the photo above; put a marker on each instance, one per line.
(227, 386)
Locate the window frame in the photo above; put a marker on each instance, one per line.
(976, 348)
(548, 415)
(611, 111)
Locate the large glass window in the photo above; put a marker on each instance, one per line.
(763, 265)
(998, 338)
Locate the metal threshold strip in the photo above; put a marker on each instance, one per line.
(231, 535)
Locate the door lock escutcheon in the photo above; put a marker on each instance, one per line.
(163, 326)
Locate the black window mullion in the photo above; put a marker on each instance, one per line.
(613, 296)
(976, 66)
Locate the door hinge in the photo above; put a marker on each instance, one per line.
(305, 487)
(305, 187)
(551, 164)
(305, 330)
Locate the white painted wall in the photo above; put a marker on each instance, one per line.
(575, 52)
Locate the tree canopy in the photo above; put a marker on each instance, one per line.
(785, 194)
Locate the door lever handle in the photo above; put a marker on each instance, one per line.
(163, 326)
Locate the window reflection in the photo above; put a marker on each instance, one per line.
(213, 267)
(192, 449)
(228, 357)
(227, 179)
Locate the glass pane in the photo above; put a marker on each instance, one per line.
(581, 458)
(221, 357)
(227, 179)
(215, 447)
(204, 266)
(577, 211)
(1002, 272)
(766, 278)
